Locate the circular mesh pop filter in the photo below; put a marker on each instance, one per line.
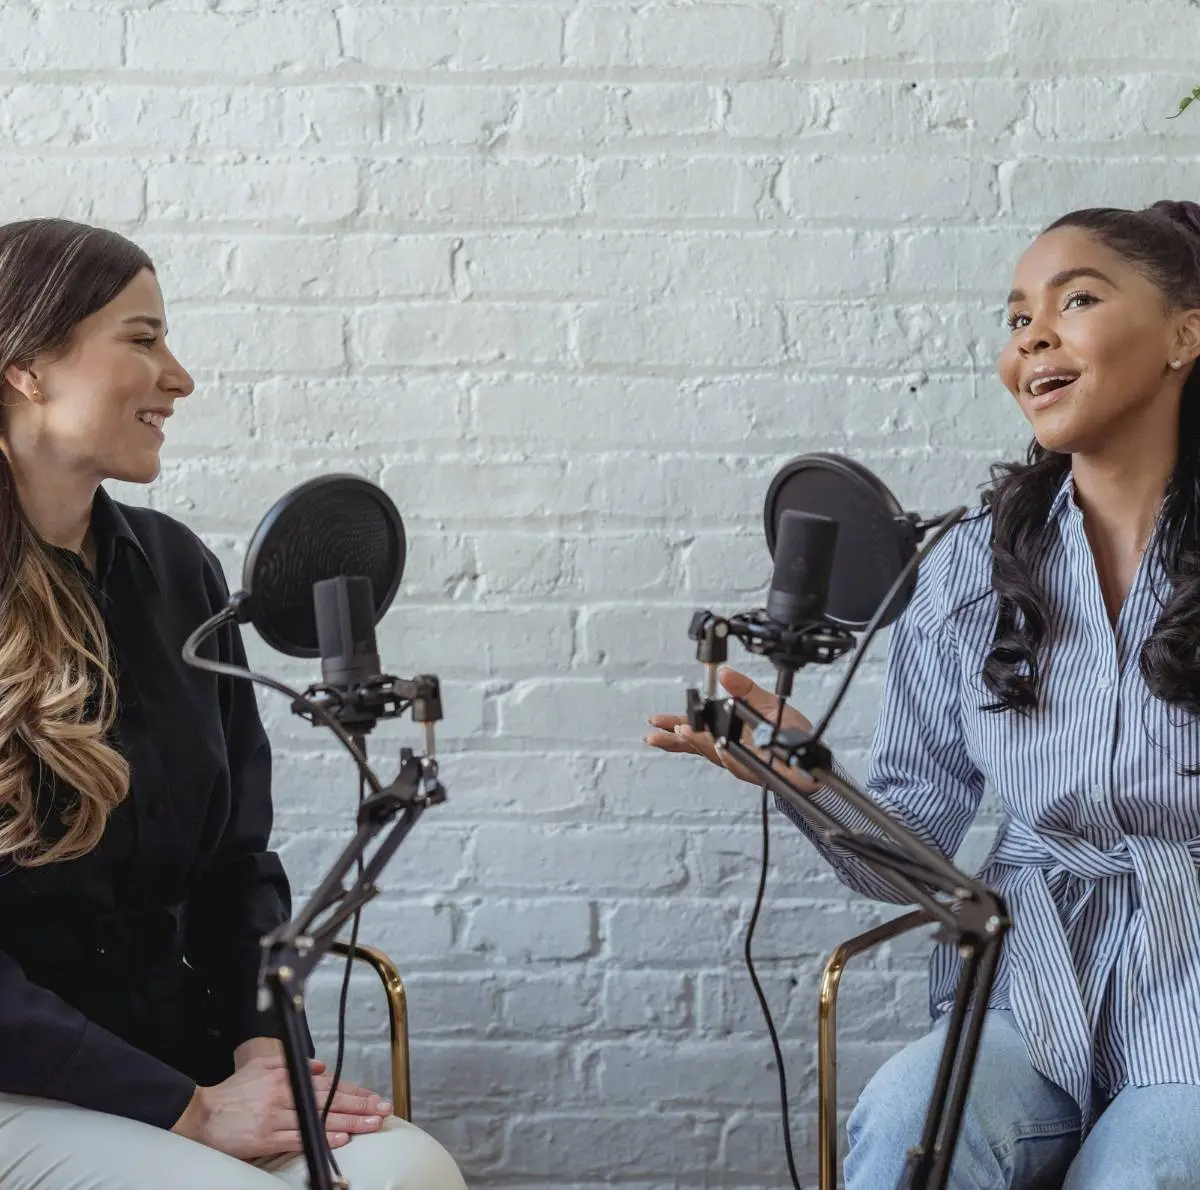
(330, 526)
(875, 539)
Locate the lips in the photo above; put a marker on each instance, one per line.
(1048, 382)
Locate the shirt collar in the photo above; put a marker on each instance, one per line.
(1064, 499)
(112, 531)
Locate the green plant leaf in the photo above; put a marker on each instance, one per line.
(1185, 103)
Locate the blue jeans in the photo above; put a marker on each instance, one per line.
(1021, 1131)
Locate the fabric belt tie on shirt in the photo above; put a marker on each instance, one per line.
(1163, 932)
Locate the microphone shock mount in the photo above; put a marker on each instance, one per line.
(787, 648)
(360, 707)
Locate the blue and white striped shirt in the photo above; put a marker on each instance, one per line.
(1097, 854)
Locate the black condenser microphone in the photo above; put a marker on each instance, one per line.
(345, 612)
(804, 552)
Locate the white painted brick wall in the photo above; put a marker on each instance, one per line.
(572, 279)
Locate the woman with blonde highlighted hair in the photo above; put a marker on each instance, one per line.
(135, 802)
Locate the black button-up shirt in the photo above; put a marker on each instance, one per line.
(128, 975)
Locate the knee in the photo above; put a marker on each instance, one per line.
(1124, 1177)
(889, 1120)
(890, 1112)
(416, 1161)
(1165, 1171)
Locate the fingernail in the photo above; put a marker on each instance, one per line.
(382, 1105)
(341, 1138)
(372, 1121)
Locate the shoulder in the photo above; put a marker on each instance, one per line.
(175, 553)
(957, 570)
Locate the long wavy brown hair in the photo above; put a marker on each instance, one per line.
(1164, 242)
(60, 776)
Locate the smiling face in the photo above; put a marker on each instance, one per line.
(1092, 342)
(97, 407)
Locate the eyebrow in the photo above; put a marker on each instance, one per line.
(1063, 278)
(155, 324)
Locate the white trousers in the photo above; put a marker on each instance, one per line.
(46, 1145)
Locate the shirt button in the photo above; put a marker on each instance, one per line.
(1097, 793)
(1104, 683)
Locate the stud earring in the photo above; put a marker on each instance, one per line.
(1177, 364)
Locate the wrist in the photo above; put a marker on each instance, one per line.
(256, 1047)
(193, 1124)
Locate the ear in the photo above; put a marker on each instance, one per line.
(24, 381)
(1187, 337)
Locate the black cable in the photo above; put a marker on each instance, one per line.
(229, 615)
(344, 998)
(943, 527)
(784, 1110)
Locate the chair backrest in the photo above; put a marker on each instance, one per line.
(831, 978)
(397, 1001)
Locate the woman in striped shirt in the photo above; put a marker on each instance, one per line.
(1052, 651)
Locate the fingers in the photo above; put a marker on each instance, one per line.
(701, 743)
(336, 1122)
(670, 741)
(673, 734)
(362, 1103)
(735, 682)
(350, 1098)
(354, 1124)
(704, 745)
(291, 1142)
(745, 688)
(684, 739)
(666, 722)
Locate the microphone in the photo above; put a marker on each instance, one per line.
(876, 538)
(843, 548)
(804, 554)
(321, 570)
(345, 611)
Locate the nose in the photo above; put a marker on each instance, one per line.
(1038, 336)
(176, 379)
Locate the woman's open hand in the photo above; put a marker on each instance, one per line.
(672, 734)
(251, 1114)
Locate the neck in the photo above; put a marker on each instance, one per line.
(1121, 485)
(1122, 498)
(57, 504)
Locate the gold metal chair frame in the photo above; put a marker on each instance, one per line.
(397, 1000)
(831, 978)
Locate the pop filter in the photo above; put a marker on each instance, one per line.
(876, 539)
(330, 526)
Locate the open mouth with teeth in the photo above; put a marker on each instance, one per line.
(152, 419)
(1043, 386)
